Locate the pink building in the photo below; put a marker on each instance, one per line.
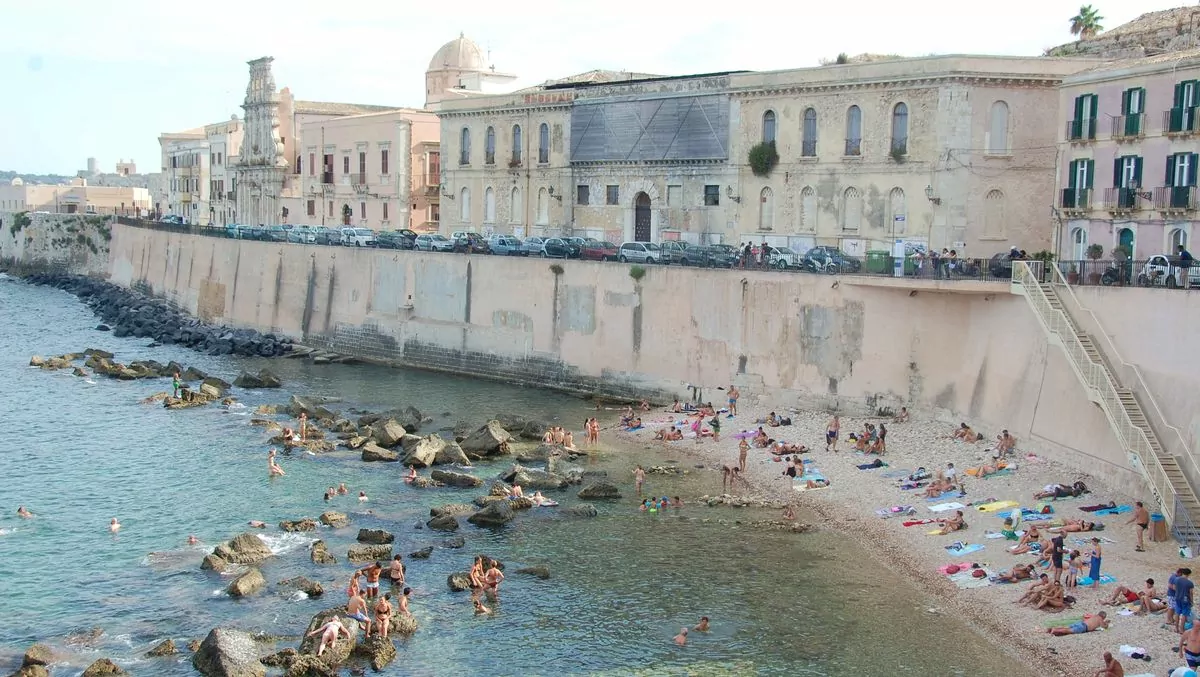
(1127, 157)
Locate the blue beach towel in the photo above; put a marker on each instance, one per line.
(943, 497)
(1105, 579)
(965, 550)
(896, 474)
(1115, 511)
(814, 475)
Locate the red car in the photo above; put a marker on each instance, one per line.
(598, 251)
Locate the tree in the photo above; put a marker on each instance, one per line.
(1086, 24)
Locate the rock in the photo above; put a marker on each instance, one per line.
(443, 523)
(357, 442)
(520, 503)
(496, 513)
(379, 651)
(599, 490)
(579, 510)
(485, 501)
(499, 488)
(453, 543)
(408, 417)
(423, 553)
(488, 440)
(226, 652)
(424, 483)
(388, 433)
(37, 361)
(244, 548)
(163, 648)
(247, 584)
(375, 536)
(103, 327)
(451, 454)
(319, 554)
(213, 563)
(210, 391)
(192, 374)
(410, 442)
(404, 625)
(530, 478)
(333, 519)
(281, 659)
(303, 524)
(194, 645)
(359, 554)
(539, 454)
(536, 571)
(455, 479)
(454, 509)
(311, 406)
(311, 588)
(37, 654)
(459, 581)
(264, 379)
(31, 671)
(372, 452)
(425, 452)
(340, 651)
(102, 667)
(221, 386)
(79, 371)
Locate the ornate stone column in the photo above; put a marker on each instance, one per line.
(404, 171)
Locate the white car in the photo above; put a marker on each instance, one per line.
(358, 237)
(1161, 270)
(783, 258)
(639, 252)
(433, 242)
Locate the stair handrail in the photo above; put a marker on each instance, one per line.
(1096, 377)
(1060, 281)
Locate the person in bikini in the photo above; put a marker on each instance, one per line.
(492, 580)
(953, 524)
(273, 468)
(1141, 517)
(1021, 572)
(1035, 590)
(669, 434)
(476, 577)
(964, 433)
(329, 633)
(1090, 623)
(1073, 526)
(411, 475)
(902, 417)
(383, 615)
(396, 570)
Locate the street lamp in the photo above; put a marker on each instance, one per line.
(931, 197)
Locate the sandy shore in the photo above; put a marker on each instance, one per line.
(849, 506)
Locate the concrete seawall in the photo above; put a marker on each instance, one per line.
(964, 350)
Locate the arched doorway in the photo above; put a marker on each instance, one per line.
(1125, 240)
(641, 218)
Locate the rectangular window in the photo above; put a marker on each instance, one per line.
(1127, 170)
(435, 213)
(612, 195)
(331, 207)
(712, 196)
(674, 196)
(312, 207)
(385, 211)
(582, 194)
(362, 210)
(1181, 170)
(345, 164)
(383, 161)
(362, 163)
(1083, 124)
(435, 167)
(312, 164)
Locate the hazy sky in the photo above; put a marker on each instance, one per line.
(104, 79)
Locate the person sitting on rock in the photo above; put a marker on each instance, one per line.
(329, 634)
(412, 474)
(356, 608)
(383, 615)
(548, 437)
(516, 491)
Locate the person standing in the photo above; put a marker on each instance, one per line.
(492, 580)
(1185, 265)
(1094, 563)
(1057, 550)
(715, 423)
(356, 608)
(176, 384)
(743, 449)
(1141, 517)
(639, 478)
(734, 394)
(1183, 598)
(831, 432)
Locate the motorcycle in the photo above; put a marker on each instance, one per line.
(1111, 276)
(826, 265)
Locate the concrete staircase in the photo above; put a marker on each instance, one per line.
(1176, 497)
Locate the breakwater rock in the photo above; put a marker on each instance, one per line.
(130, 313)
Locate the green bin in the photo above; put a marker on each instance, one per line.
(879, 262)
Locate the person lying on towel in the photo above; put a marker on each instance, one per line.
(1090, 623)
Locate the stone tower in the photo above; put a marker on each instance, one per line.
(262, 166)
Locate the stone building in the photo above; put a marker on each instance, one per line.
(77, 197)
(185, 171)
(948, 151)
(262, 167)
(224, 144)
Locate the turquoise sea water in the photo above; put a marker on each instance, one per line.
(81, 451)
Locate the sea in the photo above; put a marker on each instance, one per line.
(80, 451)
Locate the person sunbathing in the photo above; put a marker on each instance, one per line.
(816, 484)
(1053, 598)
(669, 434)
(964, 433)
(677, 408)
(1035, 591)
(781, 448)
(938, 486)
(918, 475)
(953, 524)
(1088, 624)
(1053, 491)
(1147, 597)
(633, 424)
(772, 420)
(1074, 526)
(902, 417)
(986, 469)
(1021, 572)
(1005, 443)
(1032, 535)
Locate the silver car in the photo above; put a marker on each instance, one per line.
(639, 252)
(302, 235)
(433, 242)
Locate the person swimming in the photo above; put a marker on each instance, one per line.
(681, 638)
(114, 526)
(192, 540)
(342, 490)
(23, 513)
(362, 497)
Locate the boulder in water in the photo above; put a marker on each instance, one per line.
(103, 667)
(359, 554)
(495, 514)
(453, 543)
(309, 587)
(226, 652)
(37, 654)
(247, 584)
(164, 648)
(423, 553)
(302, 524)
(341, 649)
(531, 478)
(378, 651)
(425, 452)
(453, 509)
(459, 581)
(220, 385)
(443, 522)
(455, 479)
(372, 452)
(579, 510)
(319, 554)
(244, 548)
(388, 433)
(541, 572)
(213, 563)
(404, 625)
(334, 519)
(264, 379)
(488, 440)
(599, 490)
(451, 454)
(375, 536)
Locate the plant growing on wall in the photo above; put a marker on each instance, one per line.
(20, 220)
(763, 158)
(637, 273)
(556, 268)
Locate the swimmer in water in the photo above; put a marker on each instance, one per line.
(702, 626)
(257, 524)
(273, 468)
(23, 513)
(342, 489)
(412, 474)
(681, 638)
(480, 609)
(192, 540)
(114, 526)
(362, 497)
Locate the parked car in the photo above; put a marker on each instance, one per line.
(171, 219)
(471, 243)
(533, 245)
(396, 239)
(598, 251)
(1161, 270)
(302, 235)
(506, 245)
(558, 248)
(251, 232)
(828, 259)
(274, 234)
(675, 251)
(580, 241)
(1001, 265)
(434, 242)
(231, 230)
(719, 255)
(326, 235)
(639, 252)
(358, 237)
(783, 258)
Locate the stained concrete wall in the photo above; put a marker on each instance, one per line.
(75, 242)
(965, 350)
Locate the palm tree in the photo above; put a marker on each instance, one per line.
(1086, 24)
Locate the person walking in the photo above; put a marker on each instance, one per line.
(1141, 517)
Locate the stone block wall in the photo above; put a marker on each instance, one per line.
(38, 241)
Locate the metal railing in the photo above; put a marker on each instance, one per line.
(1121, 199)
(1175, 198)
(1129, 126)
(853, 147)
(808, 148)
(1180, 120)
(1081, 130)
(1028, 276)
(1075, 198)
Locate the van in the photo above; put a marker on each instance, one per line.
(506, 245)
(358, 237)
(639, 252)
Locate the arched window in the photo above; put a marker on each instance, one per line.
(464, 205)
(543, 143)
(489, 205)
(809, 134)
(997, 141)
(516, 145)
(1177, 238)
(808, 209)
(543, 207)
(854, 131)
(464, 147)
(768, 127)
(898, 211)
(1079, 244)
(993, 214)
(766, 209)
(489, 147)
(516, 207)
(852, 210)
(900, 129)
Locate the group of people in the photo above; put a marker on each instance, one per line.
(658, 504)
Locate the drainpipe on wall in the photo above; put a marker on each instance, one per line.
(404, 170)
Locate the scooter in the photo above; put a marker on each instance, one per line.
(827, 265)
(1111, 276)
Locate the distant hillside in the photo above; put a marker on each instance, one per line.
(7, 177)
(1151, 34)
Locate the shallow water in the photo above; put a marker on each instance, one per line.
(81, 451)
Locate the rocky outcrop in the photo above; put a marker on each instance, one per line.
(302, 524)
(319, 554)
(425, 452)
(533, 479)
(375, 536)
(579, 510)
(451, 454)
(455, 479)
(247, 584)
(37, 654)
(263, 379)
(541, 572)
(597, 490)
(497, 513)
(539, 454)
(388, 433)
(408, 417)
(443, 523)
(376, 650)
(423, 553)
(453, 509)
(340, 651)
(312, 406)
(309, 587)
(164, 648)
(457, 582)
(525, 428)
(226, 652)
(359, 554)
(213, 563)
(102, 668)
(404, 625)
(372, 452)
(334, 519)
(488, 440)
(244, 548)
(453, 543)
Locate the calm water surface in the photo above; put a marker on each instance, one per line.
(79, 452)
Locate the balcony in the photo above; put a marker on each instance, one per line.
(1180, 121)
(1175, 199)
(1081, 130)
(489, 158)
(515, 160)
(327, 178)
(1076, 199)
(808, 148)
(853, 148)
(359, 179)
(1129, 127)
(1121, 199)
(430, 185)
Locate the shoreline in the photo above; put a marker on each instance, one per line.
(848, 506)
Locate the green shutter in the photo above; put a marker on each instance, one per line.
(1179, 95)
(1191, 177)
(1091, 172)
(1125, 99)
(1170, 180)
(1117, 172)
(1137, 171)
(1072, 170)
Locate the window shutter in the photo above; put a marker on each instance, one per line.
(1178, 97)
(1073, 172)
(1170, 180)
(1094, 102)
(1079, 107)
(1141, 108)
(1091, 172)
(1191, 177)
(1126, 97)
(1137, 171)
(1117, 172)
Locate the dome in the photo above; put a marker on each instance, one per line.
(17, 182)
(460, 53)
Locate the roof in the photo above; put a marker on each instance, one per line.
(627, 78)
(461, 53)
(331, 108)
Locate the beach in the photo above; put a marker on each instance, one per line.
(849, 506)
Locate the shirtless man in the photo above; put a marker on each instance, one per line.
(405, 596)
(964, 433)
(480, 609)
(1004, 444)
(726, 478)
(356, 608)
(702, 626)
(329, 634)
(383, 615)
(1141, 517)
(831, 432)
(734, 394)
(1189, 646)
(23, 513)
(372, 572)
(1052, 598)
(681, 638)
(192, 540)
(1088, 624)
(1035, 590)
(1147, 597)
(114, 526)
(639, 478)
(1111, 668)
(1021, 572)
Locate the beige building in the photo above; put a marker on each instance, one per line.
(75, 198)
(224, 143)
(185, 176)
(948, 151)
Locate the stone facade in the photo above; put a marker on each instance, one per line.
(262, 167)
(78, 197)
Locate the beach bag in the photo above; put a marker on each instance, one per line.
(978, 573)
(953, 569)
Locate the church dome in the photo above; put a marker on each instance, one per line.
(460, 53)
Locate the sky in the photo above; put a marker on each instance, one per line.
(86, 79)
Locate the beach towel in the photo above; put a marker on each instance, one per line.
(872, 466)
(965, 549)
(943, 507)
(948, 494)
(1024, 514)
(805, 487)
(912, 485)
(1114, 511)
(894, 510)
(974, 472)
(993, 534)
(913, 523)
(967, 580)
(1105, 579)
(996, 505)
(811, 474)
(1094, 508)
(1061, 621)
(999, 473)
(896, 474)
